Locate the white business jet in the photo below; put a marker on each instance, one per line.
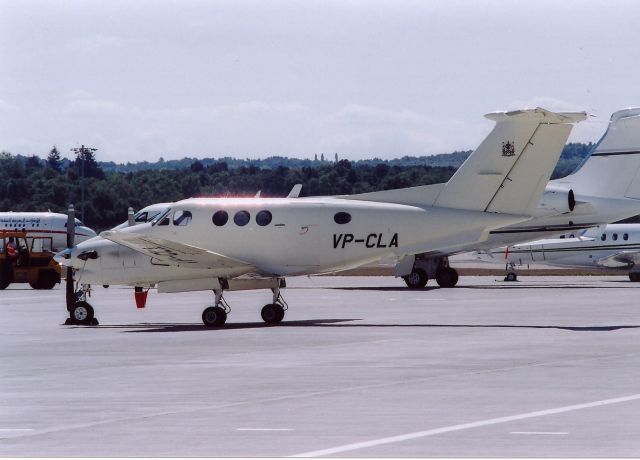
(610, 246)
(44, 226)
(223, 244)
(606, 188)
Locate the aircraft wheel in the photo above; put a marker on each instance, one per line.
(82, 313)
(106, 286)
(447, 277)
(511, 277)
(214, 316)
(634, 276)
(417, 279)
(272, 313)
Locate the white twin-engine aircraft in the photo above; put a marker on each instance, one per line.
(44, 225)
(250, 243)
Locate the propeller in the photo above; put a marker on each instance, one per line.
(71, 227)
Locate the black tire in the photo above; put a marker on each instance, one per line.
(417, 279)
(511, 277)
(634, 276)
(272, 313)
(5, 278)
(447, 277)
(214, 316)
(106, 286)
(46, 280)
(82, 313)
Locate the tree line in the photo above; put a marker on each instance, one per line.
(33, 184)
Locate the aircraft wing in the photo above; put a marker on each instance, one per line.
(620, 259)
(174, 253)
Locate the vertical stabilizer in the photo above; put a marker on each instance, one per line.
(613, 169)
(507, 173)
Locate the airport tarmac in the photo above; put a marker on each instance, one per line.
(360, 367)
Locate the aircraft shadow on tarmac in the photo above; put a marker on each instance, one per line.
(339, 323)
(490, 286)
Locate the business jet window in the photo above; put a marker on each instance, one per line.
(625, 236)
(604, 237)
(263, 218)
(182, 218)
(242, 218)
(220, 218)
(615, 237)
(342, 218)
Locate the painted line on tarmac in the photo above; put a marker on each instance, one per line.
(463, 426)
(312, 394)
(540, 432)
(264, 429)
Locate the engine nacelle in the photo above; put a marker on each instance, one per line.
(557, 199)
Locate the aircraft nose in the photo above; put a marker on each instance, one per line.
(64, 258)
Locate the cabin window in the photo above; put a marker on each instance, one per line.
(562, 237)
(625, 236)
(263, 218)
(162, 219)
(220, 218)
(342, 218)
(182, 218)
(614, 237)
(141, 217)
(604, 237)
(242, 218)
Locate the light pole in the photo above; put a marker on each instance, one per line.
(81, 152)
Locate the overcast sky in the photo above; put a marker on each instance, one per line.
(144, 79)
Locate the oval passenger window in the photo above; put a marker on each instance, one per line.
(342, 218)
(263, 218)
(241, 218)
(220, 218)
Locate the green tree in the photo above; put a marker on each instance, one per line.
(54, 160)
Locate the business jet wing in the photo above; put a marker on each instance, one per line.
(620, 259)
(174, 253)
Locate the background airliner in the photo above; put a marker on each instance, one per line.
(45, 224)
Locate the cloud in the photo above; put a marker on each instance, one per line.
(95, 44)
(93, 107)
(355, 114)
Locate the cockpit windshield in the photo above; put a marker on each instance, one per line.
(146, 216)
(161, 215)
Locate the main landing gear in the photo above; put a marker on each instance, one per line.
(425, 268)
(81, 312)
(272, 313)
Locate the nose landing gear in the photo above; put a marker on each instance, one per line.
(81, 312)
